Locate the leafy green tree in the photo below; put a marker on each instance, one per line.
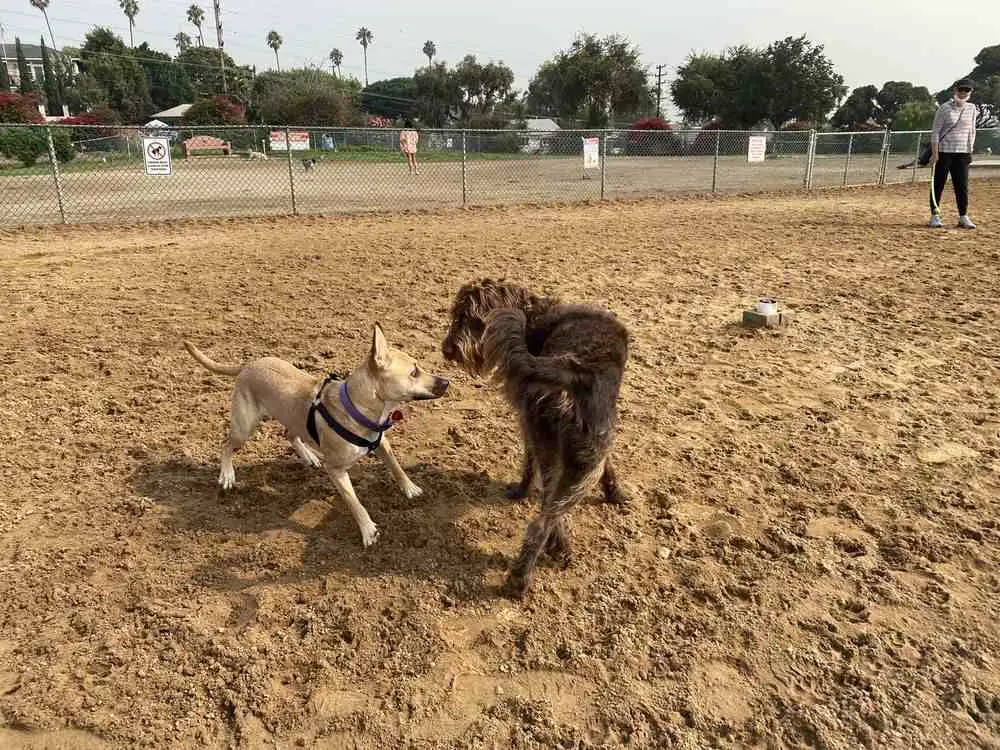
(915, 115)
(305, 97)
(115, 76)
(182, 40)
(392, 97)
(169, 83)
(438, 94)
(336, 58)
(897, 94)
(595, 79)
(27, 83)
(203, 69)
(430, 49)
(861, 106)
(789, 80)
(50, 83)
(731, 88)
(803, 83)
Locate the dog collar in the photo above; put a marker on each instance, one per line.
(317, 405)
(357, 416)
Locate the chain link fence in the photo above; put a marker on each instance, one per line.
(73, 174)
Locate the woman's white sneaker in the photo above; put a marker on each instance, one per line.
(965, 222)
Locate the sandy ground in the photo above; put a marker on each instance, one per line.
(210, 186)
(810, 557)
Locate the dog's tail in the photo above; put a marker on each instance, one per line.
(209, 364)
(505, 348)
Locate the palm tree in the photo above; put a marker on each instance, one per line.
(274, 42)
(43, 5)
(430, 49)
(195, 17)
(183, 41)
(336, 58)
(131, 9)
(365, 37)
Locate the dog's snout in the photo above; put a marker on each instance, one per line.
(440, 386)
(448, 350)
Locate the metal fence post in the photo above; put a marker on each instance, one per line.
(715, 161)
(916, 158)
(885, 157)
(810, 159)
(54, 163)
(291, 172)
(464, 171)
(604, 158)
(847, 163)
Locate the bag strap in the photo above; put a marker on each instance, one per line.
(960, 116)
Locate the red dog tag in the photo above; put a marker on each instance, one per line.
(397, 416)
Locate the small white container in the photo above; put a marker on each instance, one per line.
(767, 306)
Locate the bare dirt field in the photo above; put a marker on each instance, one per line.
(810, 557)
(210, 186)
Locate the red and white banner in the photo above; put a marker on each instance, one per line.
(298, 140)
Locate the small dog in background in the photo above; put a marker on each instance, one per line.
(308, 164)
(561, 366)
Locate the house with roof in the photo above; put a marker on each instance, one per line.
(33, 56)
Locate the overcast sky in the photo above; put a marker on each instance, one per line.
(868, 41)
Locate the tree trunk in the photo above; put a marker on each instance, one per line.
(51, 35)
(131, 36)
(365, 50)
(276, 61)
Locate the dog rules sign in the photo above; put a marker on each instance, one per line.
(156, 155)
(757, 149)
(591, 153)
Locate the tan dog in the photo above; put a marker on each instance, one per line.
(343, 420)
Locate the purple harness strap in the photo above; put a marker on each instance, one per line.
(357, 416)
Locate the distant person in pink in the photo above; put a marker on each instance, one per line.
(408, 138)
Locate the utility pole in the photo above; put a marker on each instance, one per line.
(222, 59)
(659, 89)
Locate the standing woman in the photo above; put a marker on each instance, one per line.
(953, 137)
(408, 138)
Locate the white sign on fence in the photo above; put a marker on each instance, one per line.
(591, 153)
(156, 155)
(298, 140)
(757, 149)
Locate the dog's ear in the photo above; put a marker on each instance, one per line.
(379, 355)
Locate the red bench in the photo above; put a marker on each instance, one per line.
(206, 143)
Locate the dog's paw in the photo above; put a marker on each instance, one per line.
(369, 535)
(412, 491)
(515, 587)
(227, 479)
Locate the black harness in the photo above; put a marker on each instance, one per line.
(318, 406)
